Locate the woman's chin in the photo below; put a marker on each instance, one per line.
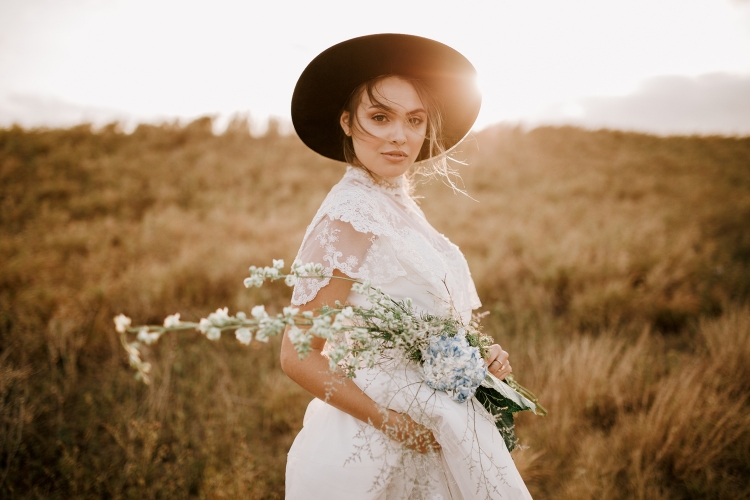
(388, 169)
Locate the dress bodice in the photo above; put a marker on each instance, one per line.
(377, 232)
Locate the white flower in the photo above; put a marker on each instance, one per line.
(363, 288)
(337, 354)
(144, 336)
(259, 312)
(300, 340)
(213, 333)
(348, 312)
(290, 280)
(278, 264)
(122, 323)
(220, 317)
(244, 335)
(322, 327)
(342, 322)
(313, 269)
(270, 327)
(295, 267)
(211, 326)
(147, 337)
(360, 334)
(271, 273)
(291, 311)
(173, 320)
(204, 325)
(254, 280)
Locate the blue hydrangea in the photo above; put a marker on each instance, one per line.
(450, 364)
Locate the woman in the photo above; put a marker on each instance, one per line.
(382, 103)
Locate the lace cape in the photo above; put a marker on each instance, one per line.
(372, 232)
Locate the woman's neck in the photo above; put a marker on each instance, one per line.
(379, 180)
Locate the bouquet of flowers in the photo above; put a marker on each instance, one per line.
(449, 353)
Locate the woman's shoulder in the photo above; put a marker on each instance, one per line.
(353, 181)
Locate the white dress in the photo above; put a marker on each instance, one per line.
(377, 233)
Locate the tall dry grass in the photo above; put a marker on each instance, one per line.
(616, 267)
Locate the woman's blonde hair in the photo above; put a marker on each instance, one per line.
(435, 162)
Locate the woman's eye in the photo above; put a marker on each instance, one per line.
(379, 118)
(415, 120)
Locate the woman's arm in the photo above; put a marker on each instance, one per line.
(314, 375)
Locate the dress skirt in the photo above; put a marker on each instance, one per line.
(335, 456)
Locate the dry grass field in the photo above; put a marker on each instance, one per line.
(615, 266)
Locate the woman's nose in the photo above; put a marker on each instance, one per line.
(398, 133)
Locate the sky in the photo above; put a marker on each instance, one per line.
(662, 66)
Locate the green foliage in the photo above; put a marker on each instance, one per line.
(615, 267)
(502, 409)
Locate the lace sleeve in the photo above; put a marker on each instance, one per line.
(355, 232)
(336, 245)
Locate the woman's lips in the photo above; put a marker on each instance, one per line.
(395, 156)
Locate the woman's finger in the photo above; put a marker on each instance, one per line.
(503, 372)
(496, 368)
(493, 352)
(497, 358)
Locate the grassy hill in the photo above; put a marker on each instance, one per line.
(615, 266)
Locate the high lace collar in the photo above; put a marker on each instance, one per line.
(395, 186)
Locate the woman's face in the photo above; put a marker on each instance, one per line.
(388, 134)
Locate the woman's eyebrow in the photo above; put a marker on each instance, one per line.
(390, 109)
(378, 105)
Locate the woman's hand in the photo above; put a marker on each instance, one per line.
(401, 428)
(497, 362)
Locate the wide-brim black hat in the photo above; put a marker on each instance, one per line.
(326, 84)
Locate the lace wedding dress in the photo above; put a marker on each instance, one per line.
(377, 233)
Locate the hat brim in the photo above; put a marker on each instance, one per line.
(327, 82)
